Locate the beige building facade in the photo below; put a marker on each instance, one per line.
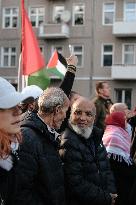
(102, 33)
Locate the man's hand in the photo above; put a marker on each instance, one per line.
(113, 196)
(72, 60)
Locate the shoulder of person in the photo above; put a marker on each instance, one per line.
(70, 139)
(31, 142)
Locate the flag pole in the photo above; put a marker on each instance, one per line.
(20, 68)
(20, 74)
(31, 59)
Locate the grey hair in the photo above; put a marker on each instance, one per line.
(50, 98)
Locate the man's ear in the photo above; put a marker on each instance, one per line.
(57, 109)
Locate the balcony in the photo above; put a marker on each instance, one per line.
(54, 31)
(124, 29)
(123, 72)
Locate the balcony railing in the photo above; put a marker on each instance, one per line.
(54, 31)
(124, 72)
(124, 29)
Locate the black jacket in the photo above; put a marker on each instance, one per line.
(39, 172)
(67, 83)
(8, 182)
(66, 86)
(88, 177)
(125, 176)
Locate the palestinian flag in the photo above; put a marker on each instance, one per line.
(40, 79)
(57, 64)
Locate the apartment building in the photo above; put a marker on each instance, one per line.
(115, 47)
(102, 33)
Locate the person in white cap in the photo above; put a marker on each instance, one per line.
(10, 138)
(31, 104)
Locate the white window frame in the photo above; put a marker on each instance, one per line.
(37, 15)
(125, 9)
(123, 53)
(108, 53)
(73, 14)
(104, 11)
(9, 54)
(54, 12)
(76, 53)
(11, 15)
(53, 47)
(123, 90)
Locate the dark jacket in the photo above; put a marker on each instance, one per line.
(132, 196)
(132, 122)
(88, 177)
(102, 109)
(8, 183)
(39, 172)
(66, 86)
(67, 83)
(125, 175)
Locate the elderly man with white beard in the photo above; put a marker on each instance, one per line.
(88, 177)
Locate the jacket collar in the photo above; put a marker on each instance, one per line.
(33, 121)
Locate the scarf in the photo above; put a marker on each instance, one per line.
(117, 142)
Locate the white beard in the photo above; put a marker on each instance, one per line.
(84, 132)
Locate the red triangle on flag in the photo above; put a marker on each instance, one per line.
(53, 60)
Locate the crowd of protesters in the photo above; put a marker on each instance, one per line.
(60, 148)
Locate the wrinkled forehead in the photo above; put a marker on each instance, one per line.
(84, 106)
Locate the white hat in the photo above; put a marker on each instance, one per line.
(9, 97)
(34, 90)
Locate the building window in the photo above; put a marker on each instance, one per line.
(78, 14)
(57, 12)
(79, 52)
(108, 13)
(42, 50)
(8, 57)
(10, 17)
(37, 16)
(124, 96)
(107, 55)
(130, 11)
(58, 48)
(129, 54)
